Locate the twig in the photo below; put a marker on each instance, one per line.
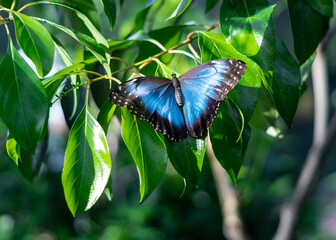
(322, 142)
(232, 223)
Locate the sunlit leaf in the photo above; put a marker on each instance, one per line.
(179, 9)
(147, 150)
(244, 24)
(87, 163)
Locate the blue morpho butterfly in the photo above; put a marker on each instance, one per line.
(184, 105)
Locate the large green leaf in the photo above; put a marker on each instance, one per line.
(308, 27)
(23, 100)
(35, 41)
(228, 146)
(245, 94)
(87, 163)
(286, 84)
(244, 24)
(187, 157)
(147, 150)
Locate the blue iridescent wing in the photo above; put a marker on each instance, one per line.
(203, 87)
(152, 99)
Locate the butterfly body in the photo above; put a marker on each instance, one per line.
(184, 105)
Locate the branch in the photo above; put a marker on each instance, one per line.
(232, 223)
(322, 142)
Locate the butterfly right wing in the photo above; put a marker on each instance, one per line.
(152, 99)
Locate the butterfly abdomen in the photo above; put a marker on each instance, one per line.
(177, 90)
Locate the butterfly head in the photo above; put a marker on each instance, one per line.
(173, 75)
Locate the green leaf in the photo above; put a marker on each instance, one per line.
(286, 84)
(308, 27)
(187, 157)
(90, 43)
(96, 44)
(13, 149)
(35, 41)
(23, 100)
(266, 55)
(29, 164)
(179, 9)
(110, 10)
(244, 24)
(105, 114)
(210, 4)
(147, 150)
(245, 94)
(119, 44)
(87, 163)
(228, 148)
(86, 21)
(324, 7)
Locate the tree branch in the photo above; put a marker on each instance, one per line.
(322, 142)
(232, 223)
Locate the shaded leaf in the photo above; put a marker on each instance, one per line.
(187, 157)
(308, 27)
(110, 10)
(87, 163)
(286, 84)
(35, 41)
(23, 100)
(147, 150)
(105, 114)
(228, 148)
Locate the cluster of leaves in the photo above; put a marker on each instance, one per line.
(271, 85)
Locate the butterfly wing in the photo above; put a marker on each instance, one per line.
(203, 87)
(152, 99)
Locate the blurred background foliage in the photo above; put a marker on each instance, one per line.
(38, 210)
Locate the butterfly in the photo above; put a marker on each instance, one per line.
(184, 105)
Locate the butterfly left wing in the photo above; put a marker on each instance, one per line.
(152, 99)
(203, 87)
